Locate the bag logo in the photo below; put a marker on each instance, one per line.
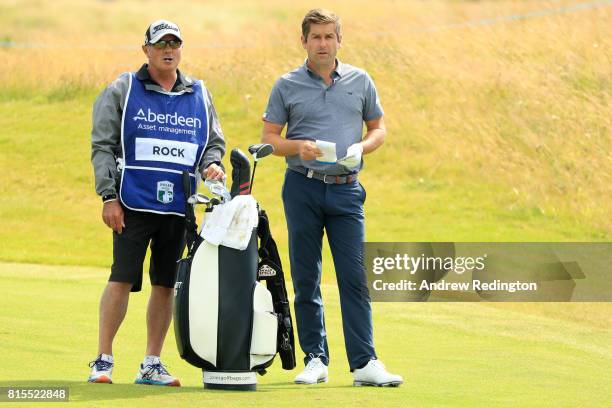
(177, 287)
(266, 270)
(165, 192)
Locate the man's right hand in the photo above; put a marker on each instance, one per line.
(308, 150)
(112, 215)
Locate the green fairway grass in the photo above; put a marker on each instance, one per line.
(498, 129)
(451, 355)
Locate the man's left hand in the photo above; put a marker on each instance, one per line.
(213, 172)
(353, 156)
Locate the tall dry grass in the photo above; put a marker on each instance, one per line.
(524, 104)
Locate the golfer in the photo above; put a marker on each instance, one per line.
(149, 126)
(327, 100)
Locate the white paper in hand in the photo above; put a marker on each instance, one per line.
(329, 152)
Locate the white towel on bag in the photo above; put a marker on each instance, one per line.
(231, 224)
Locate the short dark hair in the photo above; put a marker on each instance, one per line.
(320, 16)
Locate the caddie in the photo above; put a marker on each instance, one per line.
(149, 126)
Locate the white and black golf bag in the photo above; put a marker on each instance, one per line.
(226, 321)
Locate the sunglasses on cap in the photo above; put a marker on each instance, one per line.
(160, 45)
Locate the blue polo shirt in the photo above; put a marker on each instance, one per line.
(313, 110)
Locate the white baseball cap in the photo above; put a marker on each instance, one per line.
(159, 28)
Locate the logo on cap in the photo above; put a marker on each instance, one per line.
(159, 28)
(163, 26)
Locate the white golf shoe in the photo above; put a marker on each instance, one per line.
(375, 374)
(101, 370)
(314, 372)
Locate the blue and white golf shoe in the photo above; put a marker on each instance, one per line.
(156, 374)
(101, 370)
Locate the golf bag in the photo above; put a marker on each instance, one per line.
(226, 321)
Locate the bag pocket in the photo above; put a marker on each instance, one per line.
(265, 328)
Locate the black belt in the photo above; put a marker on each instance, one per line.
(326, 178)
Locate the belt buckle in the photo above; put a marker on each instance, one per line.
(325, 179)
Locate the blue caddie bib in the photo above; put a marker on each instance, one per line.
(162, 134)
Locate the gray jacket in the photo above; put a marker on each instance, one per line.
(106, 128)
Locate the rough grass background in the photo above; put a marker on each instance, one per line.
(495, 132)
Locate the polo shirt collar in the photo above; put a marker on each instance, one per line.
(338, 71)
(339, 68)
(183, 82)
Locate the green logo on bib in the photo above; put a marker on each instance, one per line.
(165, 192)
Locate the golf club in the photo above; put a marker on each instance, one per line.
(198, 198)
(218, 189)
(259, 151)
(241, 173)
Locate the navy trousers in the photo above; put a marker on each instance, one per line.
(311, 207)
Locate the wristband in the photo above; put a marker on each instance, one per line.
(109, 197)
